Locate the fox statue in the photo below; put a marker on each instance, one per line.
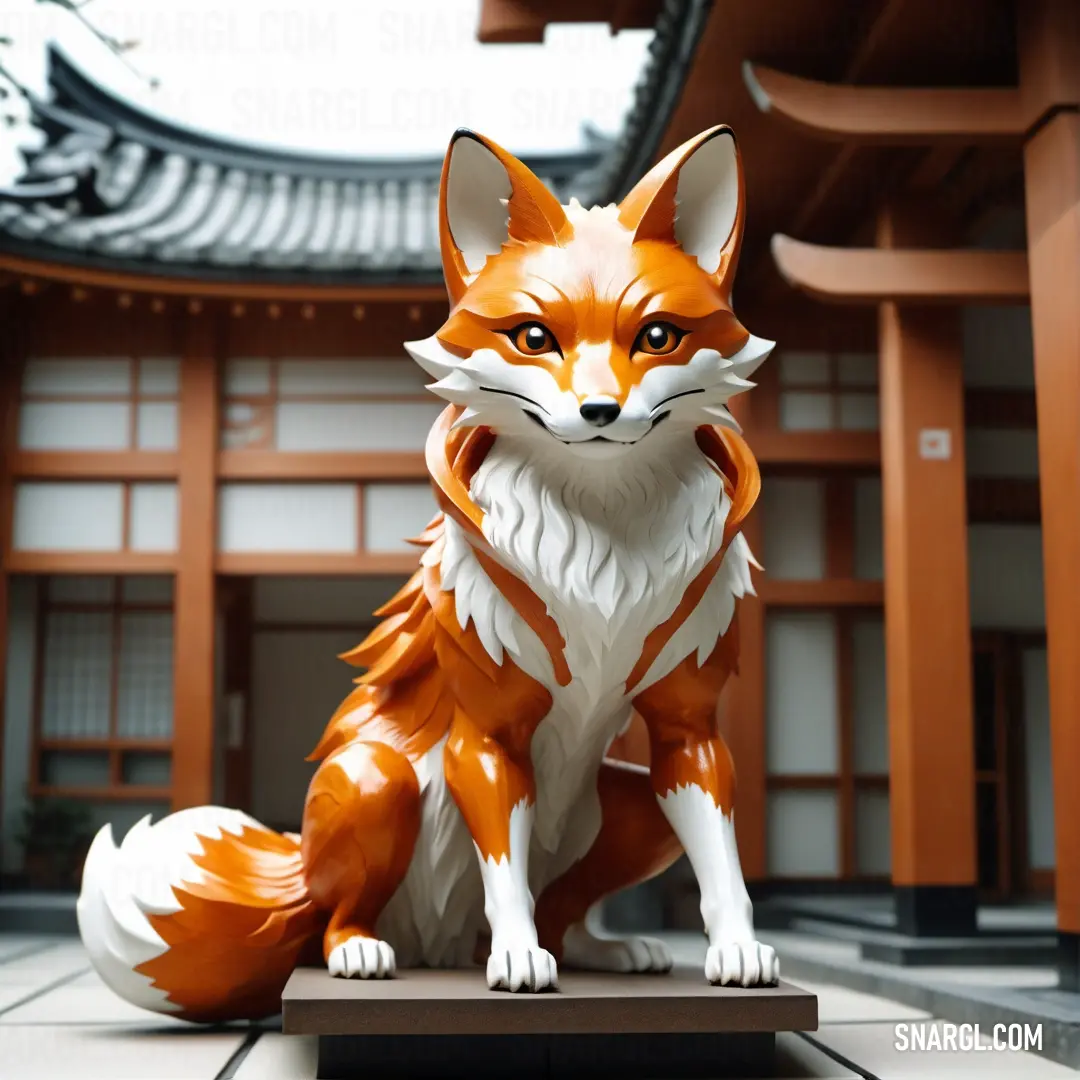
(585, 566)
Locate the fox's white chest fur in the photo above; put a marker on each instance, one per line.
(610, 549)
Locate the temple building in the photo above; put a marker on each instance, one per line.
(213, 440)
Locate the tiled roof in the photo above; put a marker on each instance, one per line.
(115, 186)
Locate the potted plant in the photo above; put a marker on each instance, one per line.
(55, 837)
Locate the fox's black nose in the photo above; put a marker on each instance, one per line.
(600, 413)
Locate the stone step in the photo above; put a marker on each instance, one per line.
(1001, 950)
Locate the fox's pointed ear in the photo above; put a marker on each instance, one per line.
(693, 198)
(486, 198)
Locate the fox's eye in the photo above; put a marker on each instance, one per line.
(659, 339)
(532, 339)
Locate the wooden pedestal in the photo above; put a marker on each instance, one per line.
(448, 1024)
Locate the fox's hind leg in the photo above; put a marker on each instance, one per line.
(361, 820)
(635, 843)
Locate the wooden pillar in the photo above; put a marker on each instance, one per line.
(742, 708)
(193, 668)
(10, 373)
(927, 619)
(1049, 60)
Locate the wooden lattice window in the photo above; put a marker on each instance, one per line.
(326, 405)
(820, 391)
(825, 720)
(104, 669)
(100, 403)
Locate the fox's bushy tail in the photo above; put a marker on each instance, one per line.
(202, 915)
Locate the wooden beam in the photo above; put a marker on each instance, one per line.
(969, 44)
(290, 563)
(91, 562)
(874, 38)
(889, 116)
(827, 449)
(96, 278)
(94, 464)
(927, 621)
(1052, 173)
(848, 592)
(271, 465)
(195, 606)
(925, 276)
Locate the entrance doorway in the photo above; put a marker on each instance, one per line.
(1013, 800)
(282, 680)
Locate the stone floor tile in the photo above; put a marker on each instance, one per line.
(15, 945)
(12, 993)
(873, 1048)
(1014, 977)
(35, 969)
(103, 1052)
(89, 978)
(838, 1005)
(280, 1057)
(806, 945)
(69, 1004)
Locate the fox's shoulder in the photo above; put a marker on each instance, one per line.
(453, 615)
(732, 457)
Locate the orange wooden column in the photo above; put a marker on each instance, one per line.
(1049, 61)
(927, 620)
(10, 372)
(193, 666)
(742, 707)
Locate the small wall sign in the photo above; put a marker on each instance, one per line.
(935, 444)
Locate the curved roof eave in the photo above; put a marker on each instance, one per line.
(118, 188)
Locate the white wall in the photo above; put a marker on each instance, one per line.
(18, 716)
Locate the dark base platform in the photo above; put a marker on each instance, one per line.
(538, 1057)
(448, 1024)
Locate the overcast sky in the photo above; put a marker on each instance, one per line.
(378, 77)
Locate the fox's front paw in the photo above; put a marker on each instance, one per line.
(521, 967)
(742, 963)
(362, 958)
(586, 951)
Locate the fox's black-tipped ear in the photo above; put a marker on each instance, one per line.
(694, 198)
(487, 197)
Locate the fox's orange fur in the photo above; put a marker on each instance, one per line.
(552, 327)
